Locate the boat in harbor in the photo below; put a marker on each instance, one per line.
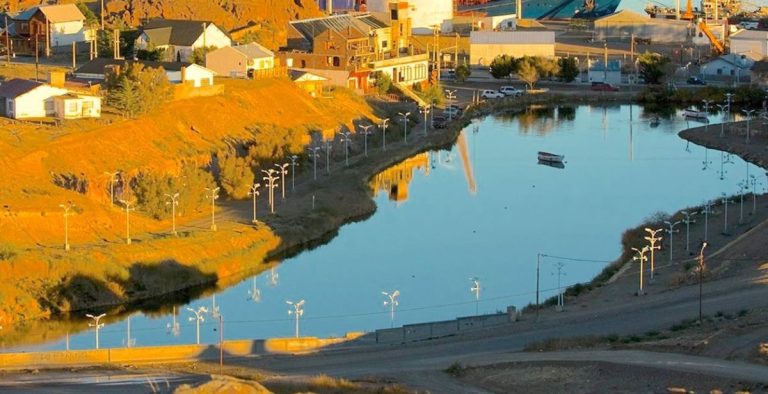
(694, 114)
(558, 165)
(551, 157)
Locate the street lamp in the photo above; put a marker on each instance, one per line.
(560, 299)
(112, 176)
(270, 178)
(653, 247)
(283, 171)
(293, 158)
(701, 273)
(475, 289)
(96, 325)
(297, 312)
(671, 232)
(66, 207)
(383, 126)
(365, 133)
(128, 210)
(392, 302)
(254, 192)
(173, 201)
(707, 210)
(723, 108)
(749, 113)
(198, 318)
(345, 138)
(724, 159)
(687, 220)
(313, 153)
(725, 202)
(213, 195)
(450, 95)
(405, 125)
(641, 256)
(425, 111)
(328, 148)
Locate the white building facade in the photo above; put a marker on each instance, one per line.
(424, 14)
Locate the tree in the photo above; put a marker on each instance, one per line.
(433, 94)
(651, 67)
(462, 72)
(235, 175)
(528, 73)
(383, 82)
(90, 17)
(124, 96)
(569, 70)
(137, 90)
(151, 54)
(503, 66)
(198, 54)
(150, 191)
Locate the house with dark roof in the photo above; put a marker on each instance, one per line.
(241, 60)
(47, 26)
(352, 49)
(179, 38)
(24, 99)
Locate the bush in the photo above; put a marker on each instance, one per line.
(198, 55)
(150, 191)
(275, 144)
(7, 252)
(235, 175)
(383, 83)
(462, 72)
(569, 70)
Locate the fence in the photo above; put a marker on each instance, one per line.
(419, 332)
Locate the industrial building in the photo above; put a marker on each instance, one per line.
(626, 23)
(486, 45)
(750, 43)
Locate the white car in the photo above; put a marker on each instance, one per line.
(491, 94)
(511, 91)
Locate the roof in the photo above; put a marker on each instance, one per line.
(512, 37)
(301, 76)
(62, 13)
(624, 16)
(735, 60)
(254, 50)
(750, 35)
(17, 87)
(97, 66)
(174, 31)
(359, 24)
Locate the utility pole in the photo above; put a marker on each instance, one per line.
(101, 13)
(560, 298)
(7, 41)
(74, 56)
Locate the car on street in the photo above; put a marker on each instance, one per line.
(695, 81)
(453, 111)
(439, 122)
(491, 94)
(604, 87)
(511, 91)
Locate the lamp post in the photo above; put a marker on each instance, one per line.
(749, 113)
(538, 269)
(641, 257)
(198, 318)
(652, 239)
(383, 126)
(365, 133)
(707, 210)
(212, 193)
(392, 302)
(425, 111)
(671, 231)
(405, 125)
(723, 108)
(283, 171)
(128, 210)
(313, 153)
(475, 289)
(254, 192)
(96, 325)
(270, 178)
(173, 201)
(112, 176)
(725, 202)
(66, 207)
(328, 148)
(345, 138)
(450, 95)
(688, 220)
(560, 299)
(701, 273)
(297, 312)
(724, 159)
(294, 163)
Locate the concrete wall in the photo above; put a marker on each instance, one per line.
(755, 49)
(419, 332)
(483, 54)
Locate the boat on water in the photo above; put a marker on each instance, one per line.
(692, 113)
(551, 157)
(542, 9)
(552, 164)
(655, 122)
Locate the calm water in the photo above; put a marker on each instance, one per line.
(448, 220)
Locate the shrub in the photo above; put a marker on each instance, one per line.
(7, 252)
(235, 175)
(150, 191)
(383, 83)
(463, 72)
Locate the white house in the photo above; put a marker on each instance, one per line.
(196, 75)
(63, 24)
(731, 67)
(240, 60)
(179, 38)
(191, 74)
(751, 43)
(23, 99)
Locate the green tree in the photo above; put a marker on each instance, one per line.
(463, 72)
(569, 69)
(124, 96)
(235, 175)
(651, 67)
(105, 41)
(137, 90)
(198, 54)
(90, 17)
(383, 83)
(503, 66)
(150, 191)
(528, 73)
(151, 54)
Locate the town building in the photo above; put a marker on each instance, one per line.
(750, 43)
(240, 61)
(311, 83)
(24, 99)
(424, 14)
(484, 46)
(729, 68)
(598, 71)
(46, 27)
(179, 38)
(626, 23)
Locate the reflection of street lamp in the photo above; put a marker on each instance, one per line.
(294, 158)
(723, 108)
(128, 210)
(173, 201)
(198, 319)
(254, 294)
(346, 139)
(475, 289)
(213, 195)
(313, 153)
(653, 239)
(96, 325)
(701, 273)
(254, 192)
(392, 302)
(687, 220)
(297, 312)
(405, 125)
(383, 126)
(173, 327)
(725, 201)
(753, 181)
(641, 256)
(365, 134)
(749, 113)
(66, 207)
(671, 232)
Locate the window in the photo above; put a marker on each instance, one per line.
(336, 61)
(384, 44)
(49, 108)
(72, 107)
(303, 63)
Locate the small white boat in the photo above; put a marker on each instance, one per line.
(695, 114)
(551, 157)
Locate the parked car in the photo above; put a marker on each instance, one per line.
(511, 91)
(491, 94)
(439, 122)
(695, 81)
(604, 87)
